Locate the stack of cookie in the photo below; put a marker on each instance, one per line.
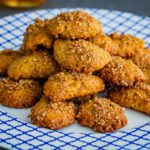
(64, 62)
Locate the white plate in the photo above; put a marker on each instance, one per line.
(15, 129)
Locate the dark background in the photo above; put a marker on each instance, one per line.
(139, 7)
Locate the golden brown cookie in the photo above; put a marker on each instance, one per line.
(147, 75)
(36, 36)
(19, 94)
(39, 64)
(74, 25)
(6, 58)
(80, 55)
(106, 43)
(53, 115)
(136, 97)
(128, 44)
(142, 59)
(122, 72)
(64, 86)
(101, 115)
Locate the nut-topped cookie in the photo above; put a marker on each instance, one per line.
(74, 25)
(36, 37)
(122, 72)
(19, 94)
(80, 55)
(64, 86)
(101, 115)
(53, 115)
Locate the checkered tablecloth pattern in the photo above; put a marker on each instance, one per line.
(17, 134)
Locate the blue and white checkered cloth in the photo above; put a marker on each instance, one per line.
(17, 134)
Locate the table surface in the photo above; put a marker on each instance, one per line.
(139, 7)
